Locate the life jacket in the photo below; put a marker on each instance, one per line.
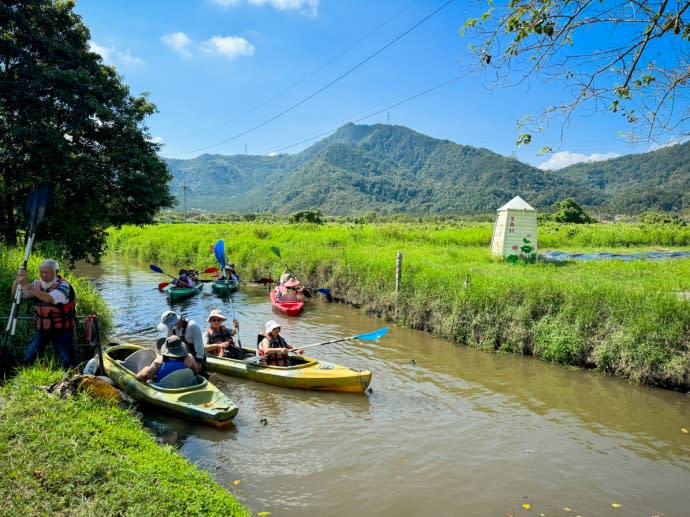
(61, 316)
(273, 359)
(221, 335)
(169, 366)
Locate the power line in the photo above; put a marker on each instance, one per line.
(328, 62)
(326, 86)
(373, 114)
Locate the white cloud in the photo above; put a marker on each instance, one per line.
(179, 42)
(114, 56)
(308, 7)
(228, 46)
(156, 140)
(564, 158)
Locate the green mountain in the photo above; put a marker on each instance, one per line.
(392, 169)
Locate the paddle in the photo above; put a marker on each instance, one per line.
(219, 252)
(163, 285)
(35, 210)
(369, 336)
(276, 250)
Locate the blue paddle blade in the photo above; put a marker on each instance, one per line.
(156, 269)
(324, 290)
(219, 252)
(376, 334)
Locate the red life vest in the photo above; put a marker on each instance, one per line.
(61, 316)
(274, 359)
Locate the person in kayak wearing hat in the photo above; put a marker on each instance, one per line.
(191, 335)
(219, 340)
(184, 280)
(172, 356)
(229, 273)
(273, 348)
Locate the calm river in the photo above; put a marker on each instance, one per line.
(446, 430)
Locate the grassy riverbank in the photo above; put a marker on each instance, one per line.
(81, 456)
(625, 318)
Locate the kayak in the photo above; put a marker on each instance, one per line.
(291, 307)
(178, 293)
(201, 402)
(305, 373)
(224, 287)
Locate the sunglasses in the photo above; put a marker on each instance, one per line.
(215, 319)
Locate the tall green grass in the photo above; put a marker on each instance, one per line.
(626, 318)
(83, 456)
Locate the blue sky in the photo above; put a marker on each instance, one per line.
(236, 76)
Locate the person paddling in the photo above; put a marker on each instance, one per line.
(219, 341)
(273, 348)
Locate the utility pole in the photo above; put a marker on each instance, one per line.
(184, 194)
(388, 117)
(245, 148)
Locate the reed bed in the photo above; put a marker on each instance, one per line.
(628, 318)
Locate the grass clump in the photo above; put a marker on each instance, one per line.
(81, 456)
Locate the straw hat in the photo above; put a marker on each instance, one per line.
(215, 313)
(174, 347)
(292, 282)
(271, 325)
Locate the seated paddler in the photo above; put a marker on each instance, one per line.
(172, 356)
(272, 347)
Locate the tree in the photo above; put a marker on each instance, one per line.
(307, 216)
(570, 212)
(68, 121)
(640, 70)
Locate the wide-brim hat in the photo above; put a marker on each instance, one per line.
(292, 282)
(169, 319)
(174, 347)
(271, 325)
(215, 313)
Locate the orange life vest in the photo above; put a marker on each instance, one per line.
(51, 316)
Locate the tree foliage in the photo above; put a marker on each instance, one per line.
(570, 212)
(69, 121)
(640, 70)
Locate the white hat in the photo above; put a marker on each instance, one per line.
(168, 320)
(271, 325)
(215, 313)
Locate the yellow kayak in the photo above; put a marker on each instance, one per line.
(196, 399)
(305, 373)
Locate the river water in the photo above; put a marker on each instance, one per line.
(445, 430)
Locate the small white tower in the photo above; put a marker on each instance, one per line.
(515, 231)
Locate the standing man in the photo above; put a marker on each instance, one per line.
(54, 305)
(190, 333)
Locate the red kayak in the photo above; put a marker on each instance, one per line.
(290, 305)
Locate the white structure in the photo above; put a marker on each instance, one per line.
(515, 231)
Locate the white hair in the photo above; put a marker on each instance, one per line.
(52, 264)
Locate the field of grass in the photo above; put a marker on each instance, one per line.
(82, 456)
(628, 318)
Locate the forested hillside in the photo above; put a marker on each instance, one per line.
(392, 169)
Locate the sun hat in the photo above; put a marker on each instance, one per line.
(271, 325)
(215, 313)
(292, 282)
(168, 320)
(174, 347)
